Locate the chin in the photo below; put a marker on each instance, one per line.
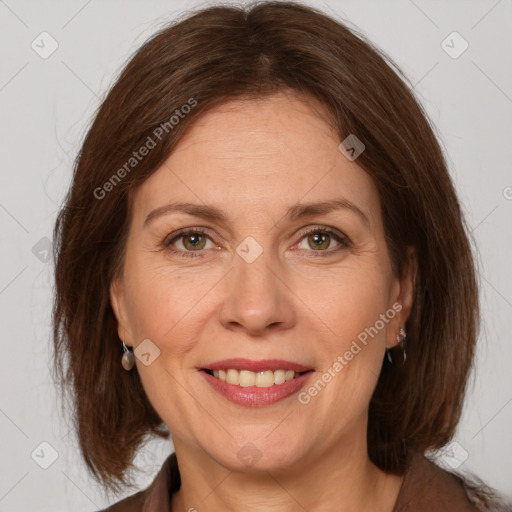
(259, 453)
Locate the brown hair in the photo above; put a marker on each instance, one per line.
(222, 53)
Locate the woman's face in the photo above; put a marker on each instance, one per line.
(253, 285)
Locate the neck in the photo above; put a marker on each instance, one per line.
(343, 479)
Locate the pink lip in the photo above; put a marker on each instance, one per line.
(253, 396)
(256, 366)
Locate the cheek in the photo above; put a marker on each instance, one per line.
(168, 305)
(351, 315)
(347, 300)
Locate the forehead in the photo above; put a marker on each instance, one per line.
(258, 156)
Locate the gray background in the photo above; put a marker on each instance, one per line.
(47, 105)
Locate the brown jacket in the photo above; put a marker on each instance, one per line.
(426, 488)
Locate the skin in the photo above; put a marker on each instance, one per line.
(253, 159)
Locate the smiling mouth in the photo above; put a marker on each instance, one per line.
(246, 378)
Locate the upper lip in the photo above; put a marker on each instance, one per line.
(256, 366)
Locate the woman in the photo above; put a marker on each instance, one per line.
(262, 254)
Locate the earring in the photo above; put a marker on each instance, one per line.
(128, 359)
(400, 344)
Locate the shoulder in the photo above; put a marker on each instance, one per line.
(132, 503)
(157, 495)
(428, 487)
(483, 497)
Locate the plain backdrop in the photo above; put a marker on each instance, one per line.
(47, 105)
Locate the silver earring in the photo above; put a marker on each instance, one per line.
(128, 359)
(400, 338)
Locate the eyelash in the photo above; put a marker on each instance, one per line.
(343, 240)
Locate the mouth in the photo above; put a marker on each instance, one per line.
(255, 383)
(261, 379)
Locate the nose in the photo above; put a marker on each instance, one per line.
(257, 298)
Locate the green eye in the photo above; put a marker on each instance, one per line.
(194, 242)
(319, 239)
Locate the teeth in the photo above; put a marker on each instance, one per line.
(265, 379)
(246, 378)
(279, 376)
(232, 376)
(289, 375)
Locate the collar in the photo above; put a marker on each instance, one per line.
(426, 487)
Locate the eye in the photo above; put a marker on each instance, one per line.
(320, 238)
(192, 240)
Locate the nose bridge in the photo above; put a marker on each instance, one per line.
(254, 274)
(257, 296)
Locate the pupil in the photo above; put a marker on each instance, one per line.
(319, 239)
(196, 236)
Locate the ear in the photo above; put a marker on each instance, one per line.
(403, 296)
(117, 301)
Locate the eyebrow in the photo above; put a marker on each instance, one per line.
(295, 212)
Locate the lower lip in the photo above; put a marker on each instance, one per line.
(253, 396)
